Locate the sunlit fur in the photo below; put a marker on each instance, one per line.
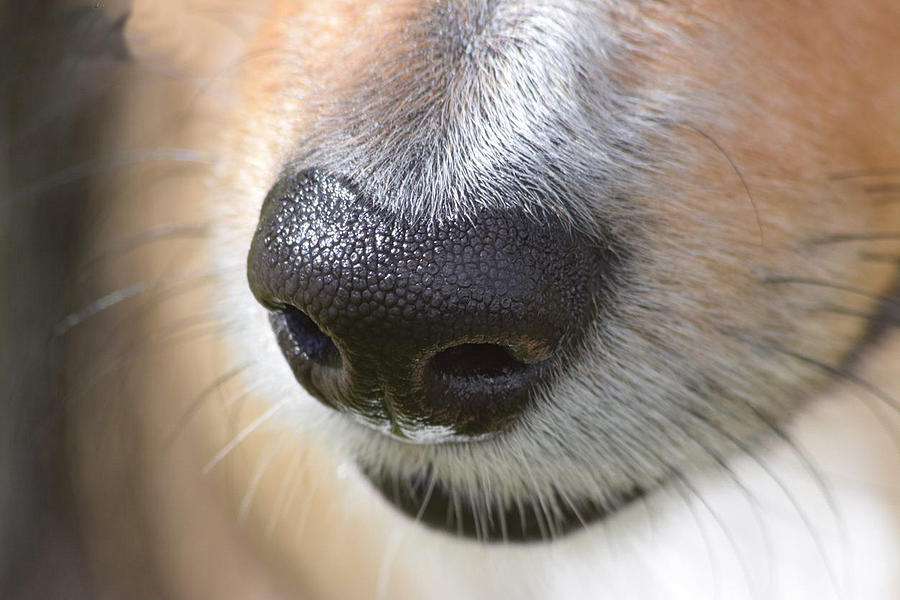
(745, 154)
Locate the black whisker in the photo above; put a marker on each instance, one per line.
(877, 318)
(811, 469)
(722, 463)
(879, 257)
(885, 188)
(843, 374)
(720, 460)
(828, 284)
(686, 490)
(737, 172)
(857, 237)
(864, 173)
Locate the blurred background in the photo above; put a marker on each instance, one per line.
(56, 57)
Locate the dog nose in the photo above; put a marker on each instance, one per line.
(428, 330)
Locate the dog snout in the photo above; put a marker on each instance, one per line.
(428, 330)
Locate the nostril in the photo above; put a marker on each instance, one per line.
(304, 338)
(476, 360)
(479, 388)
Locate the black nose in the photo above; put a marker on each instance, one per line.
(427, 330)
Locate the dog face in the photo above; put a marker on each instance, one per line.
(695, 167)
(528, 261)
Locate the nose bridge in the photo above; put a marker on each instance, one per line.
(468, 99)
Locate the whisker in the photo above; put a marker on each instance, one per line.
(481, 529)
(887, 400)
(384, 571)
(243, 435)
(487, 497)
(153, 234)
(268, 454)
(520, 508)
(864, 173)
(197, 402)
(96, 166)
(176, 285)
(737, 172)
(504, 527)
(99, 305)
(290, 483)
(687, 492)
(432, 481)
(879, 318)
(190, 328)
(883, 188)
(310, 495)
(457, 511)
(856, 237)
(817, 477)
(680, 476)
(723, 464)
(170, 287)
(843, 374)
(543, 517)
(234, 400)
(828, 284)
(565, 498)
(879, 257)
(545, 520)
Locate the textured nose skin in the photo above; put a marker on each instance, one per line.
(428, 330)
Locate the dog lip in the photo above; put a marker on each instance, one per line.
(425, 499)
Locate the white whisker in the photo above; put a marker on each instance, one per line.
(243, 435)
